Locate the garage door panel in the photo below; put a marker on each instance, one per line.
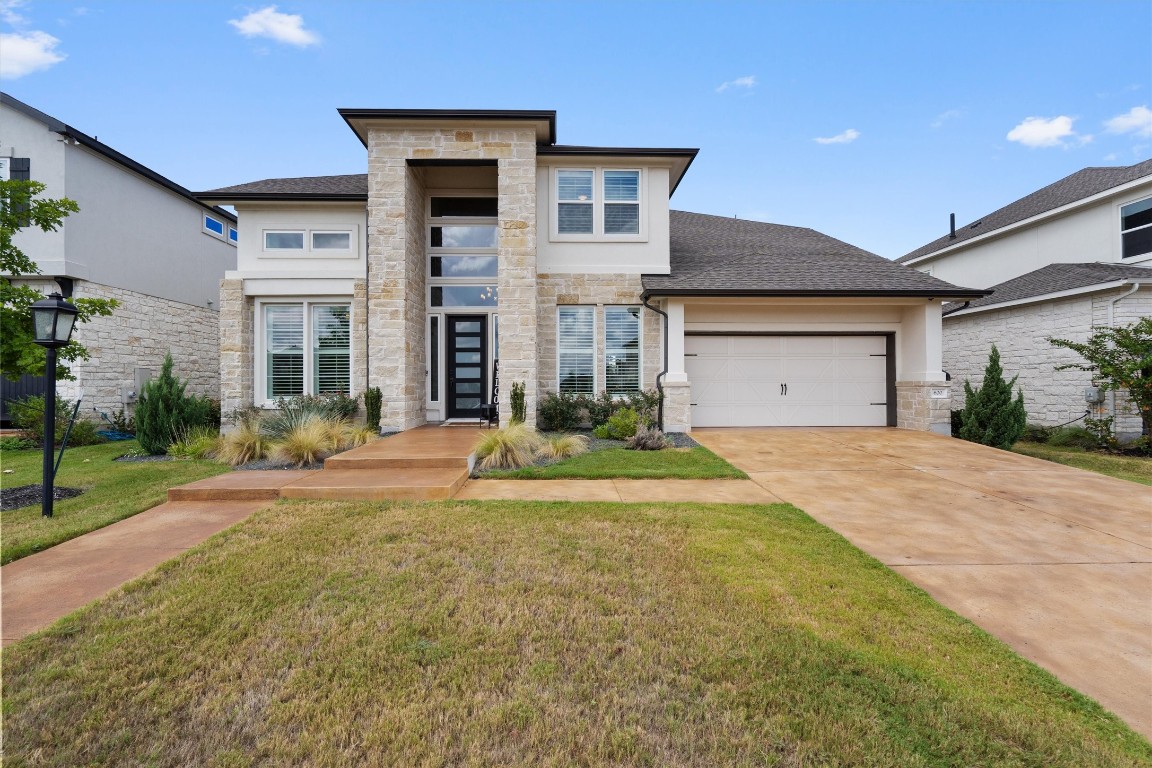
(832, 380)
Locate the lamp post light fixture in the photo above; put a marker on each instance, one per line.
(52, 321)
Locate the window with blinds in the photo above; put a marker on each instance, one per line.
(574, 193)
(576, 349)
(621, 202)
(621, 350)
(306, 349)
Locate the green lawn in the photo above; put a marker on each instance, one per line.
(115, 490)
(1138, 469)
(691, 463)
(536, 634)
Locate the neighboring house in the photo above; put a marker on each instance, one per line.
(1073, 256)
(138, 238)
(476, 249)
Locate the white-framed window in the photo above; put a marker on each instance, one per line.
(233, 235)
(284, 239)
(310, 243)
(334, 240)
(576, 349)
(305, 348)
(598, 204)
(213, 226)
(1136, 229)
(463, 256)
(622, 345)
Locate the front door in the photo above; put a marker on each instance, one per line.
(467, 356)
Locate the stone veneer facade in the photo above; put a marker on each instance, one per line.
(139, 333)
(1021, 335)
(397, 303)
(916, 408)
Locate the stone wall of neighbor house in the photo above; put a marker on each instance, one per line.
(918, 408)
(601, 290)
(1021, 335)
(397, 258)
(140, 332)
(236, 337)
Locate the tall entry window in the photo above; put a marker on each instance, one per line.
(306, 349)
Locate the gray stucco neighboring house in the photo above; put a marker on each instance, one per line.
(1068, 258)
(476, 252)
(139, 238)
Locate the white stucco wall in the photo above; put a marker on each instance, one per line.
(1021, 335)
(1087, 234)
(253, 260)
(647, 253)
(21, 136)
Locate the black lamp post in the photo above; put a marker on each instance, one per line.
(52, 320)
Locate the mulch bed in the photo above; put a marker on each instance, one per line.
(27, 495)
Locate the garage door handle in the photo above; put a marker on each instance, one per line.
(783, 389)
(878, 403)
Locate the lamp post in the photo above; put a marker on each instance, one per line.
(52, 320)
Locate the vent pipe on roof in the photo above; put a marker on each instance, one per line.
(952, 223)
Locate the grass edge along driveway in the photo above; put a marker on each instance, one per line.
(1136, 469)
(697, 463)
(483, 633)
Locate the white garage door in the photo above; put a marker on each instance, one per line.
(787, 381)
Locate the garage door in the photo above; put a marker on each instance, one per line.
(788, 381)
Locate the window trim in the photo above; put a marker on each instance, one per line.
(592, 308)
(598, 202)
(1120, 206)
(221, 235)
(260, 349)
(303, 240)
(312, 240)
(233, 236)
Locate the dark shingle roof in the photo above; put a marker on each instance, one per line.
(718, 255)
(1057, 277)
(1082, 184)
(351, 186)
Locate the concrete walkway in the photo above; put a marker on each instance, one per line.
(1054, 561)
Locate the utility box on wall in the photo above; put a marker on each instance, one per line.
(1093, 395)
(130, 393)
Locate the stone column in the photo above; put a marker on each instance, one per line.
(237, 331)
(924, 405)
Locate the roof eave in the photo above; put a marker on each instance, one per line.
(546, 116)
(954, 293)
(240, 197)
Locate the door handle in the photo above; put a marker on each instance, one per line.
(784, 390)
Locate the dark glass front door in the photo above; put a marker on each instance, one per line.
(467, 354)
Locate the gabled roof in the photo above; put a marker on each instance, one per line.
(351, 187)
(719, 256)
(1080, 185)
(1055, 278)
(101, 148)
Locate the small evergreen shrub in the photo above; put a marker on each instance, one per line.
(512, 447)
(516, 401)
(560, 411)
(620, 425)
(648, 438)
(991, 416)
(560, 447)
(1035, 433)
(373, 400)
(164, 410)
(1073, 437)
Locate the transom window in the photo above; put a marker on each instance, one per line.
(463, 261)
(1136, 228)
(306, 349)
(601, 202)
(321, 242)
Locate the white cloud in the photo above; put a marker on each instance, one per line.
(8, 12)
(748, 81)
(1137, 120)
(944, 117)
(281, 27)
(847, 137)
(1047, 132)
(22, 53)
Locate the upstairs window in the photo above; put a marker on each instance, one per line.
(621, 202)
(574, 191)
(597, 203)
(213, 226)
(1136, 229)
(284, 241)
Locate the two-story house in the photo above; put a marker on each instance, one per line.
(476, 249)
(139, 238)
(1070, 257)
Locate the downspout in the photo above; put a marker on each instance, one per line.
(660, 376)
(957, 309)
(1112, 324)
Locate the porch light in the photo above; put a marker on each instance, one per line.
(52, 321)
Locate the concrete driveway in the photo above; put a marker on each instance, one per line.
(1054, 561)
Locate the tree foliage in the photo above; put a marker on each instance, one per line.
(991, 416)
(1121, 359)
(22, 206)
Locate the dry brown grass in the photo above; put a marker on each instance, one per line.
(504, 633)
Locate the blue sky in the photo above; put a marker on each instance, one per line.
(870, 121)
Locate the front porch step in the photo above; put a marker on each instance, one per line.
(397, 484)
(353, 461)
(261, 485)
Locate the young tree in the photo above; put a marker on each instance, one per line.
(990, 415)
(1121, 358)
(21, 206)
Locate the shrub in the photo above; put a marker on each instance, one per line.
(244, 444)
(600, 408)
(1101, 429)
(512, 447)
(373, 399)
(646, 404)
(562, 447)
(1073, 437)
(991, 416)
(516, 400)
(17, 444)
(620, 425)
(560, 411)
(164, 410)
(307, 443)
(294, 412)
(648, 438)
(84, 432)
(122, 421)
(200, 442)
(28, 416)
(1035, 433)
